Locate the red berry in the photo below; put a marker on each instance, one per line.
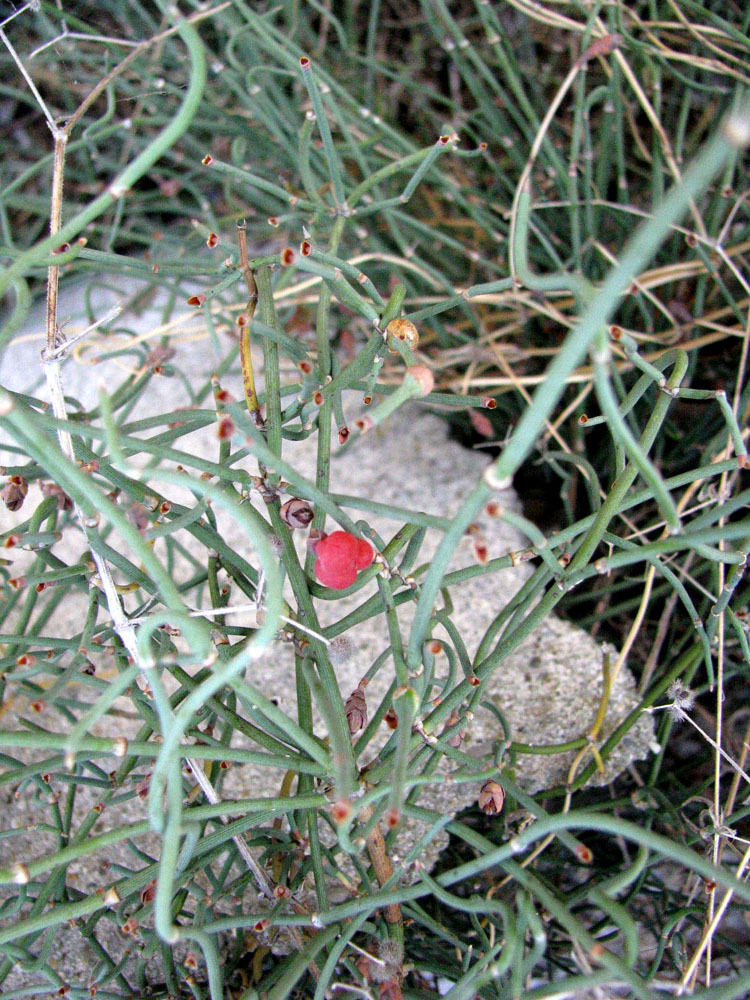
(339, 556)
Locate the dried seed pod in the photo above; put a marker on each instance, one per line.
(14, 492)
(401, 331)
(297, 513)
(491, 797)
(356, 710)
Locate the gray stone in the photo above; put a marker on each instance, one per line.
(548, 689)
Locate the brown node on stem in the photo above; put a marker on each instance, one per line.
(287, 257)
(207, 160)
(305, 248)
(489, 402)
(225, 429)
(212, 240)
(196, 300)
(583, 419)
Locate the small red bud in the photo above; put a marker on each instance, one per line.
(274, 221)
(305, 248)
(584, 854)
(489, 403)
(207, 160)
(391, 719)
(392, 818)
(340, 810)
(196, 300)
(287, 257)
(343, 435)
(212, 240)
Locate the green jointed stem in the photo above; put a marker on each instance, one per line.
(638, 251)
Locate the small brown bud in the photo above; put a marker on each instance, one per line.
(212, 240)
(207, 160)
(305, 248)
(53, 490)
(356, 710)
(196, 300)
(491, 797)
(287, 257)
(391, 719)
(489, 403)
(343, 435)
(297, 513)
(148, 891)
(14, 492)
